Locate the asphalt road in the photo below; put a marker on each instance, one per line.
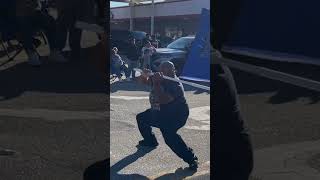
(54, 116)
(127, 100)
(282, 118)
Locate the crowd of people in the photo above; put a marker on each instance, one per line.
(27, 18)
(137, 57)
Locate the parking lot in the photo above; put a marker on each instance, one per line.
(127, 99)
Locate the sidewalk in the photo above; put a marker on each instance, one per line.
(298, 161)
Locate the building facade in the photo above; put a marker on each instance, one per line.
(171, 18)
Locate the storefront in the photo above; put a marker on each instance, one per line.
(172, 18)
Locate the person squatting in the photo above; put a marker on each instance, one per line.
(169, 112)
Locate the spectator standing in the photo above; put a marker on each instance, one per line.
(147, 38)
(147, 52)
(155, 41)
(133, 58)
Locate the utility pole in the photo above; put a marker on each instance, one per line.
(131, 4)
(152, 18)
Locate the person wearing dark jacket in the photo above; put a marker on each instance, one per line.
(232, 153)
(133, 56)
(232, 148)
(169, 112)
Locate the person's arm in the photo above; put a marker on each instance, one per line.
(145, 78)
(164, 98)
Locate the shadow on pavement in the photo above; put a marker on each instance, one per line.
(283, 93)
(180, 173)
(127, 161)
(97, 171)
(71, 77)
(248, 83)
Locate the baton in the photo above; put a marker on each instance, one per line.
(179, 80)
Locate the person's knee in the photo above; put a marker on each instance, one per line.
(142, 117)
(139, 118)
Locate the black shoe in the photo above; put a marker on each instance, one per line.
(193, 165)
(145, 143)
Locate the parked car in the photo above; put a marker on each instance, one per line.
(121, 39)
(176, 52)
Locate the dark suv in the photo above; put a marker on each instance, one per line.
(121, 39)
(176, 52)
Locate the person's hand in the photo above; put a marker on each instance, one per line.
(157, 77)
(146, 72)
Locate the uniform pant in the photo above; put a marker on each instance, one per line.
(233, 152)
(169, 121)
(233, 161)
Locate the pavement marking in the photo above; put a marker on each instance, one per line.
(202, 115)
(53, 115)
(128, 98)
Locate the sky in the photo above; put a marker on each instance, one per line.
(119, 4)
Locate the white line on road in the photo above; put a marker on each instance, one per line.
(129, 97)
(202, 115)
(53, 115)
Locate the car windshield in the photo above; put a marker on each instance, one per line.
(181, 43)
(139, 35)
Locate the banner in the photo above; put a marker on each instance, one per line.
(286, 30)
(197, 66)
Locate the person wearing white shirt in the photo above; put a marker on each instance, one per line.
(147, 51)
